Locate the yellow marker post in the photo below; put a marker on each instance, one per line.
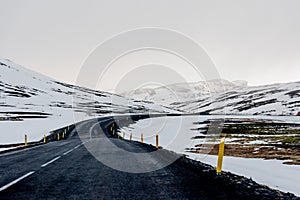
(130, 136)
(157, 141)
(221, 154)
(113, 132)
(111, 129)
(142, 138)
(58, 136)
(63, 135)
(25, 142)
(44, 139)
(123, 135)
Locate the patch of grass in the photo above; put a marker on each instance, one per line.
(291, 140)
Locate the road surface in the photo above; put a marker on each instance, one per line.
(66, 169)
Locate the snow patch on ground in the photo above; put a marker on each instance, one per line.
(268, 172)
(176, 133)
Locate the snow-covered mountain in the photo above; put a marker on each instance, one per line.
(32, 103)
(224, 97)
(181, 92)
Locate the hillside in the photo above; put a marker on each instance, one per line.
(224, 97)
(28, 98)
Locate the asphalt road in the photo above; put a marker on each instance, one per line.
(70, 169)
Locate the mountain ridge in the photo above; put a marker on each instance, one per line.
(225, 97)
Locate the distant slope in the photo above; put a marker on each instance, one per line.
(31, 102)
(181, 92)
(224, 97)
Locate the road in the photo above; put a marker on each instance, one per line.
(70, 169)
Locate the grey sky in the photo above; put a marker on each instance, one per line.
(253, 40)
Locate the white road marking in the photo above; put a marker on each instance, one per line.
(68, 152)
(51, 161)
(93, 128)
(76, 146)
(15, 181)
(44, 165)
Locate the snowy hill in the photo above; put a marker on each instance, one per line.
(180, 92)
(224, 97)
(34, 104)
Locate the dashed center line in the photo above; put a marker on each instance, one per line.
(44, 165)
(51, 161)
(15, 181)
(68, 152)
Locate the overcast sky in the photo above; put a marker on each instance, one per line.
(253, 40)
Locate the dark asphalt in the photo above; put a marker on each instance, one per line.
(77, 174)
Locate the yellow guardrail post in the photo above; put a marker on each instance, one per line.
(130, 136)
(157, 141)
(58, 136)
(221, 154)
(25, 142)
(142, 138)
(113, 132)
(63, 135)
(44, 139)
(123, 135)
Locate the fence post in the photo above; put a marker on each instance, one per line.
(221, 154)
(157, 141)
(142, 138)
(130, 136)
(25, 142)
(44, 139)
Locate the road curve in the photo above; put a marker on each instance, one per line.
(68, 169)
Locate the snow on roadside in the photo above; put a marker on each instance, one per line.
(268, 172)
(8, 148)
(175, 134)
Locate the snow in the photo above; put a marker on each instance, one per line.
(268, 172)
(224, 97)
(8, 148)
(24, 93)
(175, 134)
